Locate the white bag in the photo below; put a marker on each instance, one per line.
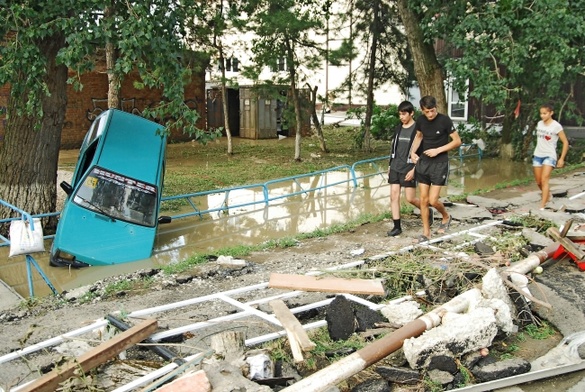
(23, 240)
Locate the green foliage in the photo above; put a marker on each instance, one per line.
(82, 33)
(384, 121)
(540, 332)
(511, 51)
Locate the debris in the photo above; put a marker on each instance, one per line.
(341, 322)
(93, 358)
(229, 345)
(261, 367)
(327, 284)
(357, 252)
(192, 381)
(298, 339)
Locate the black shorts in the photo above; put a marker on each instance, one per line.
(399, 178)
(430, 172)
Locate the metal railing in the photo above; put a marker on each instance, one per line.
(267, 188)
(30, 261)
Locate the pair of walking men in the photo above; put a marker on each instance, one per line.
(420, 155)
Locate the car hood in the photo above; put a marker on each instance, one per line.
(96, 239)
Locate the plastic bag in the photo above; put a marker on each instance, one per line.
(23, 240)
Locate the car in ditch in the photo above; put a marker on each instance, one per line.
(111, 212)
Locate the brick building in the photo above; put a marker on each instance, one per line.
(83, 106)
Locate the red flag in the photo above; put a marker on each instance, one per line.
(517, 110)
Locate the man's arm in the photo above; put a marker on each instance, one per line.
(454, 143)
(415, 145)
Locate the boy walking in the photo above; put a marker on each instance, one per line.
(401, 168)
(433, 131)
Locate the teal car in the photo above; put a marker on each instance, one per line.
(110, 215)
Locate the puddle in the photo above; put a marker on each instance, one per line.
(258, 223)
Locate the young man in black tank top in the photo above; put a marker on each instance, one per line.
(433, 131)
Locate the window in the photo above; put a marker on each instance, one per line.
(456, 104)
(232, 64)
(118, 197)
(280, 65)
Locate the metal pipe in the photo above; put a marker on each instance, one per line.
(163, 352)
(374, 352)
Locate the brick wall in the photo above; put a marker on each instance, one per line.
(83, 106)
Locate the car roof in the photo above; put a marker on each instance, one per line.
(131, 146)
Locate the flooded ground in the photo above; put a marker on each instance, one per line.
(253, 224)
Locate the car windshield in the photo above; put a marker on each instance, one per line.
(118, 197)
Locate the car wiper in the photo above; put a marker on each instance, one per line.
(99, 209)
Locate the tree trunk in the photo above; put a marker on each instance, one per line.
(224, 99)
(113, 77)
(29, 156)
(375, 31)
(426, 66)
(315, 118)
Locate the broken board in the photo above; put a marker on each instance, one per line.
(326, 284)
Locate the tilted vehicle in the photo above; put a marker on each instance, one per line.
(110, 215)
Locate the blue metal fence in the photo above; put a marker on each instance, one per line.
(352, 176)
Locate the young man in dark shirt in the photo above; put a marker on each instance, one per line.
(401, 168)
(433, 131)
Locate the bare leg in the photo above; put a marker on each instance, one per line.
(435, 202)
(424, 209)
(544, 184)
(538, 175)
(395, 200)
(410, 194)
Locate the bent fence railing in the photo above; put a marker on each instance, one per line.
(30, 261)
(371, 167)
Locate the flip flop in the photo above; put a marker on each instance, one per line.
(421, 238)
(444, 227)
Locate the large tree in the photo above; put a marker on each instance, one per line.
(428, 70)
(284, 30)
(39, 41)
(385, 60)
(515, 54)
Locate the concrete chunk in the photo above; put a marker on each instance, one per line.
(402, 313)
(459, 334)
(501, 369)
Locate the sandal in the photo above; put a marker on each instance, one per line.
(444, 227)
(421, 239)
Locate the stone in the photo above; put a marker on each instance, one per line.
(502, 369)
(495, 294)
(225, 377)
(341, 322)
(398, 375)
(396, 359)
(483, 249)
(193, 381)
(366, 318)
(487, 202)
(444, 363)
(402, 313)
(184, 278)
(536, 239)
(375, 385)
(440, 377)
(458, 334)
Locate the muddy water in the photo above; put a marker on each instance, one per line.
(257, 223)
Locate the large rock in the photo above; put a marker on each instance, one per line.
(341, 322)
(374, 385)
(501, 369)
(402, 313)
(397, 375)
(458, 334)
